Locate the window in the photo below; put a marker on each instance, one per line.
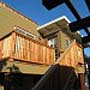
(53, 42)
(25, 32)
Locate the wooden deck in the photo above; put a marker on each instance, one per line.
(20, 47)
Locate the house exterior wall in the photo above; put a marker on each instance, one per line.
(10, 18)
(62, 40)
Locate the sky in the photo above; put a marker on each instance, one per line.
(34, 10)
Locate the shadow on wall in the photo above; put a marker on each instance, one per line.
(2, 64)
(7, 68)
(14, 69)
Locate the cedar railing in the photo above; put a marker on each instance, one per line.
(21, 47)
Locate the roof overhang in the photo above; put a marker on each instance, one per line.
(59, 24)
(53, 26)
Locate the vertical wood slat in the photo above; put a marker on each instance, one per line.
(28, 50)
(20, 48)
(1, 45)
(23, 48)
(13, 44)
(44, 54)
(4, 48)
(7, 46)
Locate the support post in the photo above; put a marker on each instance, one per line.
(82, 81)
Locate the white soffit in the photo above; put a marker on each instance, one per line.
(54, 21)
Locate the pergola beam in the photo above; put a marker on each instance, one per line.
(73, 10)
(75, 13)
(80, 24)
(88, 4)
(50, 4)
(86, 39)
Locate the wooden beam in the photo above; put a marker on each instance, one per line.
(80, 24)
(73, 10)
(76, 14)
(86, 39)
(88, 4)
(86, 45)
(82, 81)
(50, 4)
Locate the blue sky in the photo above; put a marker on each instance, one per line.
(38, 13)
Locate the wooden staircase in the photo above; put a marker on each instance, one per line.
(58, 78)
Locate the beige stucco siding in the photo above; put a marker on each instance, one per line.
(63, 39)
(10, 18)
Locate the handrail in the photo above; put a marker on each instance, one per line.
(61, 82)
(44, 79)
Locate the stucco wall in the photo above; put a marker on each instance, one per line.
(62, 40)
(9, 18)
